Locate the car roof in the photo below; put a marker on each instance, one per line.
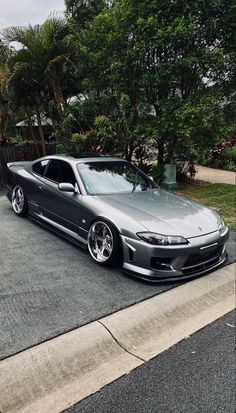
(80, 158)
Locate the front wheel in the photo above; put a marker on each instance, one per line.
(19, 201)
(104, 243)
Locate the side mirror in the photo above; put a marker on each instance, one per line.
(66, 187)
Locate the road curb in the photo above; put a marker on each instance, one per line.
(154, 325)
(54, 375)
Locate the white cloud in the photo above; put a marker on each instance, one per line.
(24, 12)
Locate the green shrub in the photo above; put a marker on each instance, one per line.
(157, 172)
(225, 159)
(18, 140)
(205, 157)
(229, 158)
(64, 147)
(219, 158)
(185, 172)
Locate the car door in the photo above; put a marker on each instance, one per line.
(34, 185)
(57, 207)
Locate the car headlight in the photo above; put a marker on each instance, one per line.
(159, 239)
(221, 226)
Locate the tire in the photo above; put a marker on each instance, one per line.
(19, 201)
(104, 243)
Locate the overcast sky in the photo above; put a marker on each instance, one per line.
(24, 12)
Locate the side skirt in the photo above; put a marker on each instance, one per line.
(60, 230)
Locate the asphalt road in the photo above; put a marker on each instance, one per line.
(48, 286)
(197, 375)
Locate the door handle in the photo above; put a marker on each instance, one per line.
(40, 188)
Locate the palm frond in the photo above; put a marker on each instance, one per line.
(53, 31)
(13, 34)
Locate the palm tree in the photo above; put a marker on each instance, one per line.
(3, 80)
(24, 84)
(38, 67)
(53, 35)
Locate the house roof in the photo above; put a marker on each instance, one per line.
(45, 122)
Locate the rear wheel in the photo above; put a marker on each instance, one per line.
(104, 243)
(19, 201)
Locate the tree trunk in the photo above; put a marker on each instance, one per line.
(172, 148)
(61, 102)
(40, 128)
(160, 158)
(129, 152)
(29, 118)
(58, 95)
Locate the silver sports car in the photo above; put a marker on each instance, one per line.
(116, 211)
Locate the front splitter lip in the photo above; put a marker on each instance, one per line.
(171, 278)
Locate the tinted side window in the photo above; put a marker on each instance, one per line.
(60, 171)
(39, 167)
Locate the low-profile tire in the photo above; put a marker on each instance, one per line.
(19, 201)
(104, 243)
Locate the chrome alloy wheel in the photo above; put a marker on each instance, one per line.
(100, 241)
(18, 199)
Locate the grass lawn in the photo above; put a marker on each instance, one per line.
(218, 196)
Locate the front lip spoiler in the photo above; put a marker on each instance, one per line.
(166, 279)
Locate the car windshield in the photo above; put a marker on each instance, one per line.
(103, 178)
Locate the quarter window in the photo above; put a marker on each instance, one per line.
(60, 171)
(39, 167)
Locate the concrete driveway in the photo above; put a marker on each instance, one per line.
(49, 287)
(215, 176)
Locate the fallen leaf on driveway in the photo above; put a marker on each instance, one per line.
(230, 325)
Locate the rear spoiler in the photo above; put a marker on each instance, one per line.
(18, 163)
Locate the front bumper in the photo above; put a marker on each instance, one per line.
(174, 262)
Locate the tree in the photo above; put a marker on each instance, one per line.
(40, 70)
(166, 56)
(162, 70)
(24, 86)
(45, 51)
(82, 12)
(3, 79)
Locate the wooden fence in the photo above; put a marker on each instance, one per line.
(12, 153)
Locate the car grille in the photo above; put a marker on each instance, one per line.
(206, 259)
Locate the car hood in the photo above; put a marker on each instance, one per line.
(165, 213)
